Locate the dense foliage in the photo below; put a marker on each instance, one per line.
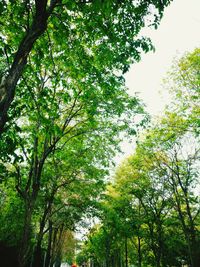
(63, 110)
(82, 39)
(150, 215)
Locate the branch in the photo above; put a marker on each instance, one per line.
(37, 28)
(52, 6)
(7, 57)
(18, 185)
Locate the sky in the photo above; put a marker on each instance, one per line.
(179, 32)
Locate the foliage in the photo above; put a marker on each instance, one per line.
(150, 213)
(64, 108)
(81, 37)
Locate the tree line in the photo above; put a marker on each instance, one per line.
(63, 109)
(150, 213)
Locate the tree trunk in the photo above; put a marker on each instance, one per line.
(8, 85)
(25, 249)
(37, 252)
(58, 262)
(107, 247)
(48, 253)
(195, 254)
(139, 253)
(37, 260)
(126, 253)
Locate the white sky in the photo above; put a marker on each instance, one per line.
(179, 31)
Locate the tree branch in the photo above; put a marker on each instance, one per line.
(37, 28)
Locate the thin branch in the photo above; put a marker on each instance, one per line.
(7, 57)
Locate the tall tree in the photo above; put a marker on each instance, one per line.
(154, 198)
(108, 29)
(53, 119)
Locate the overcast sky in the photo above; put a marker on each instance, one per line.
(178, 32)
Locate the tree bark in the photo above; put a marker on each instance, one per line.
(37, 252)
(8, 84)
(48, 254)
(126, 252)
(24, 251)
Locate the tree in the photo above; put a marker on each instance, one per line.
(183, 83)
(153, 200)
(54, 120)
(70, 30)
(64, 91)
